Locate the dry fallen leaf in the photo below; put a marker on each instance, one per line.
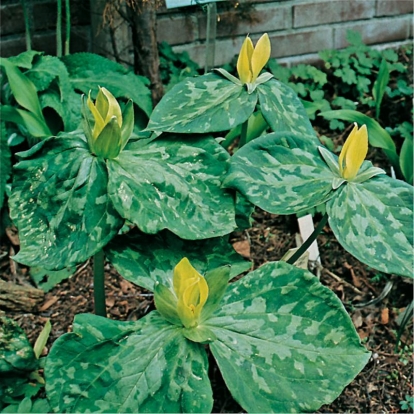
(242, 248)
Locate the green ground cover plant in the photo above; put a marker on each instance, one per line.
(160, 203)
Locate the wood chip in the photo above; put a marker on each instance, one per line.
(48, 303)
(385, 316)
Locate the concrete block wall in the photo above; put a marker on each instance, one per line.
(43, 21)
(298, 29)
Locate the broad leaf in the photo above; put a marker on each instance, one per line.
(284, 341)
(89, 71)
(23, 89)
(282, 173)
(373, 221)
(144, 259)
(60, 95)
(60, 205)
(109, 366)
(35, 126)
(208, 103)
(172, 184)
(24, 59)
(17, 354)
(283, 110)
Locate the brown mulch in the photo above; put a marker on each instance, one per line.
(384, 382)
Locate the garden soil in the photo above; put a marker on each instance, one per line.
(380, 387)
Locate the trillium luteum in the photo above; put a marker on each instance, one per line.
(185, 304)
(350, 165)
(112, 127)
(353, 152)
(250, 63)
(253, 59)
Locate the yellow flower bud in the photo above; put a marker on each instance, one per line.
(353, 152)
(191, 290)
(252, 59)
(112, 128)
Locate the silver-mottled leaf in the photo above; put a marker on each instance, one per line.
(110, 366)
(284, 341)
(373, 220)
(282, 173)
(60, 205)
(283, 110)
(173, 184)
(208, 103)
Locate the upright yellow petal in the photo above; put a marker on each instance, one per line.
(99, 122)
(353, 152)
(261, 55)
(182, 273)
(113, 107)
(244, 61)
(101, 104)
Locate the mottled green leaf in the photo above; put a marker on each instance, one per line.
(373, 220)
(48, 279)
(5, 162)
(144, 259)
(208, 103)
(89, 71)
(16, 354)
(282, 173)
(172, 184)
(144, 366)
(283, 110)
(60, 205)
(284, 341)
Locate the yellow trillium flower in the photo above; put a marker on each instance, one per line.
(191, 290)
(104, 108)
(112, 127)
(252, 59)
(353, 152)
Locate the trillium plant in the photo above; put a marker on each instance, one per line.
(160, 205)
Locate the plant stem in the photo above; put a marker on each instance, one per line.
(27, 24)
(59, 29)
(99, 283)
(243, 135)
(67, 39)
(302, 249)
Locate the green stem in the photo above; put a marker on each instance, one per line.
(243, 135)
(67, 39)
(302, 249)
(99, 283)
(59, 29)
(27, 25)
